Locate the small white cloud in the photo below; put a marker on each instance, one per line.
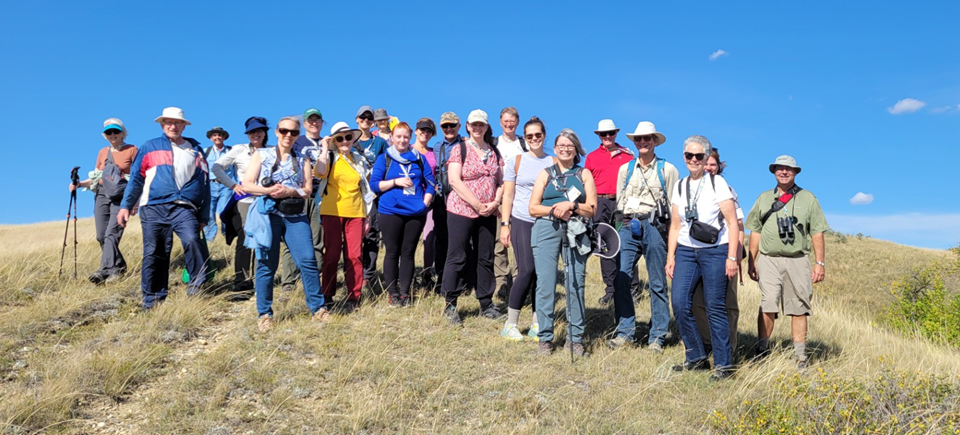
(717, 54)
(906, 105)
(861, 199)
(938, 110)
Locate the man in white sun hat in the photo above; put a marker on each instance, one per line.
(170, 180)
(641, 198)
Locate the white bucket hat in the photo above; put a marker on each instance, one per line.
(606, 125)
(172, 113)
(343, 128)
(646, 127)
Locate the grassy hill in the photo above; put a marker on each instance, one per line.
(76, 358)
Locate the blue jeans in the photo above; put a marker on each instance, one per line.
(546, 241)
(650, 245)
(219, 197)
(691, 265)
(295, 232)
(159, 222)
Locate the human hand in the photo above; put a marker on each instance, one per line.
(487, 208)
(402, 182)
(123, 215)
(72, 187)
(671, 264)
(277, 191)
(731, 268)
(238, 189)
(505, 236)
(818, 273)
(752, 271)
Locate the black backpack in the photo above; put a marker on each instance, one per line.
(443, 177)
(423, 178)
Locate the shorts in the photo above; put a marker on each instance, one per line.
(787, 279)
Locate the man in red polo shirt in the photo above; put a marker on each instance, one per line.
(604, 164)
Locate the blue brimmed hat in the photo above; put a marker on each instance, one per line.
(255, 123)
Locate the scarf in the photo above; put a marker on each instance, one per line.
(395, 155)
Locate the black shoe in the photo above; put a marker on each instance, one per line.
(578, 349)
(450, 313)
(687, 366)
(760, 353)
(605, 300)
(721, 374)
(350, 306)
(395, 302)
(98, 277)
(491, 313)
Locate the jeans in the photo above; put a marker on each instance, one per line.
(219, 197)
(109, 233)
(288, 269)
(650, 245)
(295, 232)
(547, 242)
(401, 235)
(691, 265)
(159, 222)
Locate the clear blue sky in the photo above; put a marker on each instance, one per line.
(826, 82)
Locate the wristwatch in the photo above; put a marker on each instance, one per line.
(505, 224)
(576, 206)
(733, 259)
(821, 264)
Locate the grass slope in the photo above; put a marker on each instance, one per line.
(76, 358)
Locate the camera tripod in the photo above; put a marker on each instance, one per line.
(75, 180)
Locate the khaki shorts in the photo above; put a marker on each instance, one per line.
(788, 279)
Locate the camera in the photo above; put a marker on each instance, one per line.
(661, 212)
(690, 213)
(267, 182)
(785, 228)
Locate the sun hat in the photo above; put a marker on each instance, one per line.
(646, 127)
(380, 114)
(449, 118)
(312, 111)
(114, 124)
(784, 160)
(606, 125)
(218, 130)
(343, 128)
(427, 125)
(172, 113)
(255, 123)
(364, 109)
(477, 116)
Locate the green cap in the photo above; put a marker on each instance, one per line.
(312, 111)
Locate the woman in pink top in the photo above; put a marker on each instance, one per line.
(476, 178)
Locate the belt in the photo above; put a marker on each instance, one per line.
(612, 196)
(637, 216)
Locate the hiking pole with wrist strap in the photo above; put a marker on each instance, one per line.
(72, 206)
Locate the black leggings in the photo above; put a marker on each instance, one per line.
(461, 232)
(400, 235)
(526, 280)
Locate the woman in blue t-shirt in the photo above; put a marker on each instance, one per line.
(563, 198)
(406, 188)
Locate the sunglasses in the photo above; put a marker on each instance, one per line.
(112, 132)
(448, 126)
(649, 137)
(533, 136)
(691, 156)
(607, 134)
(366, 117)
(346, 137)
(286, 131)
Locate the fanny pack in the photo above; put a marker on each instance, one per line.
(291, 205)
(703, 232)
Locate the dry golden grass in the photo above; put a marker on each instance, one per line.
(81, 359)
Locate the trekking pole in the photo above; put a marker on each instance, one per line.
(565, 257)
(72, 206)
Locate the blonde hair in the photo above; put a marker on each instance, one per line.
(511, 110)
(295, 119)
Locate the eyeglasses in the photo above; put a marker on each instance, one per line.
(286, 131)
(533, 136)
(314, 120)
(649, 137)
(691, 156)
(449, 126)
(565, 147)
(366, 117)
(607, 134)
(112, 132)
(346, 137)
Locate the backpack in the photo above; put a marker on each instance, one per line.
(112, 181)
(554, 172)
(661, 162)
(444, 175)
(523, 143)
(713, 183)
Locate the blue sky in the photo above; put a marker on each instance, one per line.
(867, 98)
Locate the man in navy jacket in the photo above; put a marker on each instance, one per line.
(170, 182)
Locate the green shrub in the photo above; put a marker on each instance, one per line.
(925, 304)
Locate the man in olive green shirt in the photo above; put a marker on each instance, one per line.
(785, 223)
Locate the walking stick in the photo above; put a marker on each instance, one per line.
(567, 258)
(72, 206)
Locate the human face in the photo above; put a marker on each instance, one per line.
(217, 139)
(342, 142)
(784, 174)
(608, 138)
(509, 123)
(476, 130)
(534, 136)
(313, 125)
(450, 131)
(690, 155)
(424, 136)
(257, 136)
(565, 150)
(115, 137)
(365, 121)
(172, 128)
(287, 133)
(400, 139)
(383, 124)
(712, 166)
(646, 144)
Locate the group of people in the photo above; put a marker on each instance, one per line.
(333, 199)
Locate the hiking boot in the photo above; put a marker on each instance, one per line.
(721, 374)
(655, 347)
(545, 349)
(760, 353)
(619, 341)
(406, 302)
(322, 315)
(534, 331)
(450, 313)
(491, 313)
(395, 302)
(578, 349)
(98, 277)
(510, 332)
(350, 306)
(687, 366)
(605, 300)
(265, 323)
(287, 287)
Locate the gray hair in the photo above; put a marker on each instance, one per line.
(572, 137)
(699, 140)
(116, 121)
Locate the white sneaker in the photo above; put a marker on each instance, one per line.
(534, 331)
(510, 332)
